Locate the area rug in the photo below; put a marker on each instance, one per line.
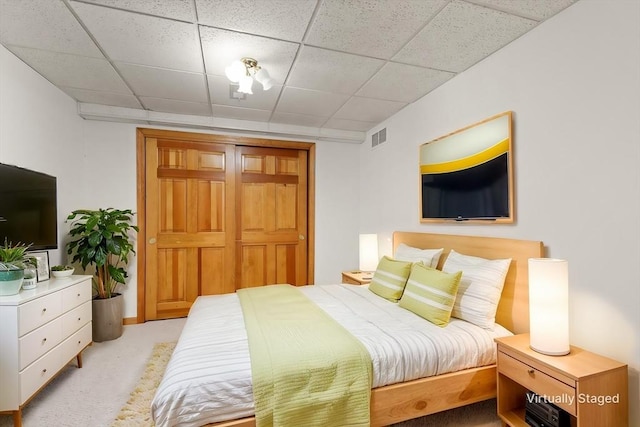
(136, 412)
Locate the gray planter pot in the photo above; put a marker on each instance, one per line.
(10, 281)
(107, 318)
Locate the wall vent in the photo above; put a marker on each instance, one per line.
(379, 137)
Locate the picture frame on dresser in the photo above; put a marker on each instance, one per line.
(42, 264)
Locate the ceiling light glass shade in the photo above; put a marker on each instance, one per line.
(549, 306)
(245, 84)
(235, 71)
(263, 77)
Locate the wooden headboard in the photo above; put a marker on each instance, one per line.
(513, 310)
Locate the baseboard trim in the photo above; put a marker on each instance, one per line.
(129, 320)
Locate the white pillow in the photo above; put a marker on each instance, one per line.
(480, 287)
(428, 257)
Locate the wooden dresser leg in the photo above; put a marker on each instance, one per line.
(17, 418)
(79, 359)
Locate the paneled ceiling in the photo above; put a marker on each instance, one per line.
(340, 66)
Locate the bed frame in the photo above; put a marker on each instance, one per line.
(412, 399)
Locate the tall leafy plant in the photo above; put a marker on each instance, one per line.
(104, 239)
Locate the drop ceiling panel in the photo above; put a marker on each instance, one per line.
(312, 102)
(241, 113)
(177, 107)
(143, 39)
(349, 125)
(162, 83)
(368, 110)
(281, 19)
(370, 27)
(73, 71)
(103, 98)
(332, 71)
(403, 83)
(176, 9)
(538, 10)
(461, 35)
(221, 48)
(340, 67)
(298, 119)
(45, 25)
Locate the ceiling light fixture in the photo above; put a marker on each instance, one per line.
(244, 71)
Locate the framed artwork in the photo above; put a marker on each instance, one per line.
(42, 261)
(467, 175)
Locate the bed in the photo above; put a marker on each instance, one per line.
(399, 394)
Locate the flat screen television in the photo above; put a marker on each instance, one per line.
(28, 207)
(467, 175)
(480, 192)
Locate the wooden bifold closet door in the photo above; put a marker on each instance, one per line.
(216, 215)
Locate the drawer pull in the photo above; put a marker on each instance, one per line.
(44, 340)
(78, 294)
(531, 371)
(79, 341)
(78, 319)
(44, 309)
(44, 371)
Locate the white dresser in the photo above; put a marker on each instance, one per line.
(41, 331)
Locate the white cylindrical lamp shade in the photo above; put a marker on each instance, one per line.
(549, 306)
(368, 252)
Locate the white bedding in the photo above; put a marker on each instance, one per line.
(208, 378)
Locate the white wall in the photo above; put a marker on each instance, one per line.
(40, 130)
(573, 84)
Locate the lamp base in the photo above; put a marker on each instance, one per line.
(551, 353)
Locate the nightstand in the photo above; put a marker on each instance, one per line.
(590, 387)
(357, 277)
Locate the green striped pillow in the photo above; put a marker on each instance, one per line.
(390, 278)
(430, 293)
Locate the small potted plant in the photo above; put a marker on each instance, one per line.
(14, 259)
(62, 270)
(103, 240)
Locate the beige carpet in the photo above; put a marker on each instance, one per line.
(135, 413)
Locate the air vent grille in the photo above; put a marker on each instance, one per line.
(379, 137)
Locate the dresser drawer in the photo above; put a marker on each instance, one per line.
(38, 312)
(76, 318)
(535, 380)
(75, 295)
(76, 343)
(38, 342)
(40, 372)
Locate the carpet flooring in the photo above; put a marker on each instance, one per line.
(136, 411)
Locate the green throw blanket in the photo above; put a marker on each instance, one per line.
(307, 369)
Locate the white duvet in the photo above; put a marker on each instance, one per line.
(208, 378)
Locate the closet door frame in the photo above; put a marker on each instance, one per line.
(143, 133)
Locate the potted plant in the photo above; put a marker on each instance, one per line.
(14, 259)
(62, 270)
(103, 240)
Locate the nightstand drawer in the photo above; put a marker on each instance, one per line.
(535, 380)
